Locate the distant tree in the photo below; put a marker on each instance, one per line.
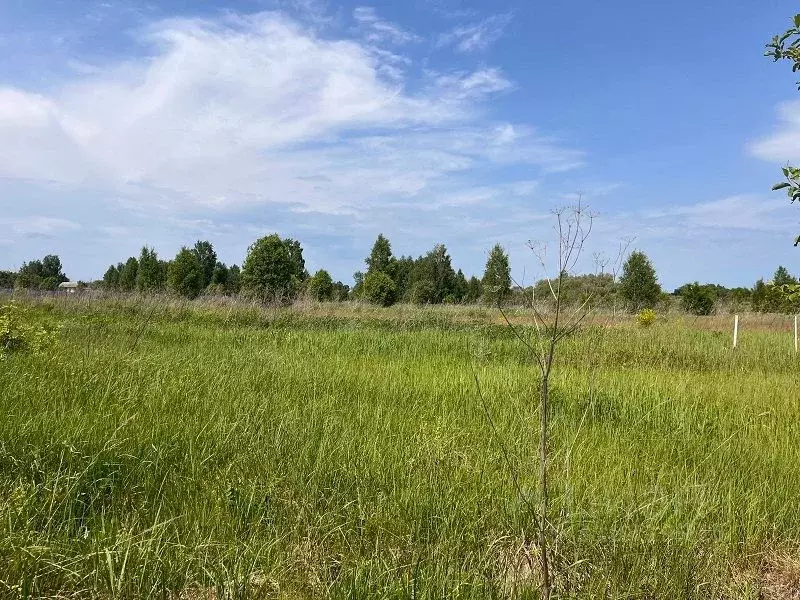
(380, 258)
(30, 275)
(496, 276)
(127, 277)
(379, 289)
(358, 284)
(207, 257)
(592, 289)
(474, 290)
(296, 256)
(7, 279)
(149, 274)
(51, 269)
(698, 299)
(460, 286)
(111, 278)
(432, 278)
(185, 276)
(758, 298)
(220, 275)
(402, 268)
(639, 284)
(320, 286)
(274, 268)
(773, 297)
(43, 274)
(234, 275)
(341, 291)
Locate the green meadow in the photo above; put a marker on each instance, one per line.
(180, 450)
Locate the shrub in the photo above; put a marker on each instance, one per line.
(19, 335)
(379, 288)
(646, 317)
(697, 299)
(320, 286)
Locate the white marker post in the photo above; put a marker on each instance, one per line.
(795, 334)
(735, 330)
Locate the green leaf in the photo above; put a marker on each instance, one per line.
(780, 186)
(797, 20)
(797, 241)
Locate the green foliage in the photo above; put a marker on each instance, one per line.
(320, 286)
(7, 279)
(149, 273)
(432, 279)
(460, 287)
(402, 268)
(207, 258)
(496, 276)
(274, 269)
(380, 258)
(19, 334)
(111, 278)
(43, 274)
(777, 296)
(185, 276)
(594, 290)
(646, 317)
(787, 47)
(220, 275)
(474, 290)
(638, 285)
(234, 274)
(341, 291)
(379, 288)
(127, 276)
(697, 299)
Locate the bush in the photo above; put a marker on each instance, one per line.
(320, 286)
(697, 299)
(646, 317)
(19, 335)
(379, 289)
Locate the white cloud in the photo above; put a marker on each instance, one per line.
(39, 225)
(380, 30)
(261, 110)
(784, 144)
(735, 212)
(476, 37)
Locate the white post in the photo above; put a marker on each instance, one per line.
(795, 334)
(735, 330)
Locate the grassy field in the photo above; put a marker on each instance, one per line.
(187, 451)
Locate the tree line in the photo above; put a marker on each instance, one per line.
(274, 270)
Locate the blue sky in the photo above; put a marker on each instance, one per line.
(125, 123)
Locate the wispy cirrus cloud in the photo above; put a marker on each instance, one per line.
(476, 37)
(39, 226)
(381, 30)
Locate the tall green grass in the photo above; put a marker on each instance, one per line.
(182, 452)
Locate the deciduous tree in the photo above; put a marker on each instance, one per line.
(207, 258)
(185, 276)
(320, 286)
(274, 268)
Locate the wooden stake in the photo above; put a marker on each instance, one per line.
(735, 330)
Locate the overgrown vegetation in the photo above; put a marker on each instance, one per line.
(179, 450)
(19, 333)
